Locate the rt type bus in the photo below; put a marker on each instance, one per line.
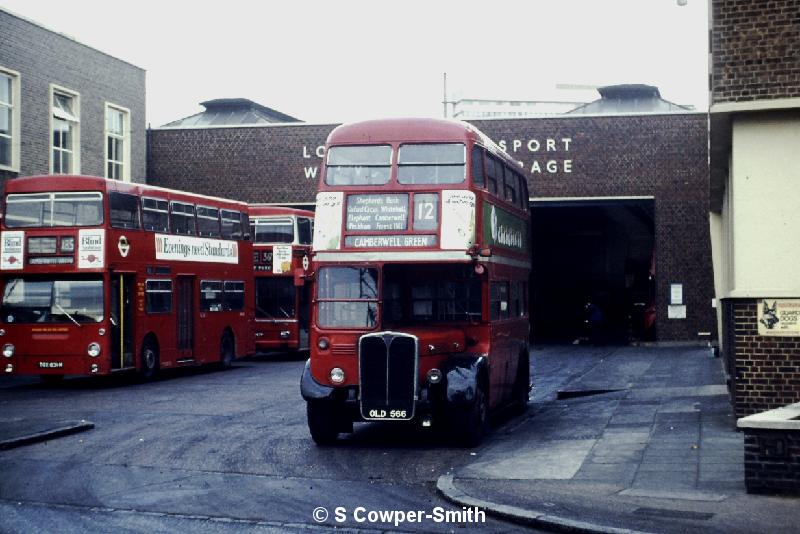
(420, 283)
(102, 276)
(281, 250)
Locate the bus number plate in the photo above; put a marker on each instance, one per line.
(388, 414)
(51, 365)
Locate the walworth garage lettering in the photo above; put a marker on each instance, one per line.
(543, 161)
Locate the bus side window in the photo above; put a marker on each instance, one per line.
(493, 171)
(231, 224)
(477, 166)
(124, 210)
(210, 295)
(523, 192)
(304, 232)
(181, 219)
(509, 185)
(158, 296)
(155, 214)
(499, 300)
(207, 222)
(246, 235)
(233, 296)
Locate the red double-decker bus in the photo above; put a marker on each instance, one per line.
(420, 282)
(281, 249)
(102, 276)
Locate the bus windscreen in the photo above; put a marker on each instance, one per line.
(52, 301)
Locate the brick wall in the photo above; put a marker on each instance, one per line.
(43, 57)
(772, 461)
(662, 156)
(756, 50)
(258, 164)
(765, 370)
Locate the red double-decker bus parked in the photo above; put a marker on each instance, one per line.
(421, 265)
(102, 276)
(281, 250)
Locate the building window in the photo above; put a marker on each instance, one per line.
(65, 120)
(9, 120)
(117, 143)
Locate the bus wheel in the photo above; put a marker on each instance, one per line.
(227, 351)
(149, 356)
(322, 422)
(51, 379)
(522, 384)
(472, 422)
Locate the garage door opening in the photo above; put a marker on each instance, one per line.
(593, 276)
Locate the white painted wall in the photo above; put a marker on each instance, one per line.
(760, 238)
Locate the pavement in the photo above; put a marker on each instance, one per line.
(621, 439)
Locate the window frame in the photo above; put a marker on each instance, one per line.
(125, 137)
(229, 288)
(75, 145)
(147, 303)
(15, 106)
(206, 217)
(156, 210)
(176, 216)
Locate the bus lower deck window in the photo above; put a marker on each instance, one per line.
(158, 296)
(233, 296)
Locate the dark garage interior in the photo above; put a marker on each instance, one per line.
(593, 275)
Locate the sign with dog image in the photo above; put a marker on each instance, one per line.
(779, 317)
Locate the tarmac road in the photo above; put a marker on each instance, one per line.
(214, 451)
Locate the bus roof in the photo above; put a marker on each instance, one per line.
(257, 210)
(412, 130)
(63, 182)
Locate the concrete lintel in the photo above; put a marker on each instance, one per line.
(785, 418)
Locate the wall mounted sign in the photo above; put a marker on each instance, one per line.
(779, 317)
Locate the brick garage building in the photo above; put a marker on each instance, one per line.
(646, 167)
(755, 200)
(61, 102)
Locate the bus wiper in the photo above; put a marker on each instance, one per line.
(65, 312)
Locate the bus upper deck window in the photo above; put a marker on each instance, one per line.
(155, 214)
(181, 219)
(231, 224)
(207, 222)
(273, 230)
(433, 163)
(477, 166)
(54, 209)
(305, 230)
(124, 210)
(358, 165)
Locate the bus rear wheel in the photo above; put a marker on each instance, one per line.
(322, 422)
(522, 384)
(149, 361)
(227, 351)
(472, 422)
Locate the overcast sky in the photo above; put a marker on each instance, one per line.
(342, 60)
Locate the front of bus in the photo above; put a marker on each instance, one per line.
(397, 326)
(52, 259)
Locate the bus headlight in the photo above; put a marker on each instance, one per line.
(322, 343)
(337, 375)
(8, 350)
(93, 350)
(434, 376)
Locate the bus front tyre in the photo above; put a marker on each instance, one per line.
(322, 422)
(472, 422)
(227, 351)
(149, 365)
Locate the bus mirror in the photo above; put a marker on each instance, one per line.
(299, 277)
